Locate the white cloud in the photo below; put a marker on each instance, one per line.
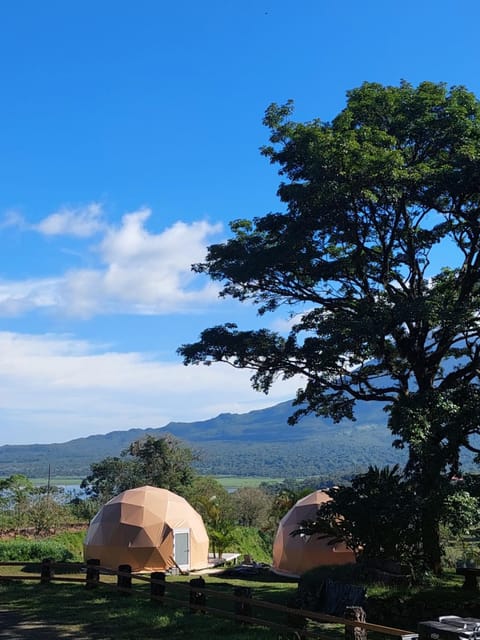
(285, 325)
(152, 272)
(139, 272)
(55, 388)
(81, 222)
(22, 296)
(13, 218)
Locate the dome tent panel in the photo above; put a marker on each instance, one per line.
(293, 555)
(143, 533)
(132, 513)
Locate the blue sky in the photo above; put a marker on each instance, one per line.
(130, 138)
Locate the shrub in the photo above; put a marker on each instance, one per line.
(23, 550)
(248, 540)
(71, 541)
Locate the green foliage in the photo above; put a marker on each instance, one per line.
(214, 504)
(15, 495)
(371, 199)
(460, 512)
(109, 477)
(72, 541)
(210, 498)
(23, 505)
(377, 517)
(83, 510)
(162, 462)
(251, 541)
(221, 536)
(46, 513)
(296, 486)
(251, 506)
(22, 549)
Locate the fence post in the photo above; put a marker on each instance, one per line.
(124, 582)
(46, 571)
(197, 597)
(92, 577)
(297, 621)
(355, 633)
(243, 608)
(157, 586)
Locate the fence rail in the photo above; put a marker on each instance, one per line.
(197, 597)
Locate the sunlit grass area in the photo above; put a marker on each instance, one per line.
(104, 613)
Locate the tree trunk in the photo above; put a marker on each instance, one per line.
(426, 467)
(431, 538)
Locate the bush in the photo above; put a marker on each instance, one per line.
(71, 541)
(248, 540)
(23, 550)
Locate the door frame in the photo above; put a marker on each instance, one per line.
(187, 531)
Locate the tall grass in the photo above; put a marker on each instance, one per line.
(63, 547)
(250, 541)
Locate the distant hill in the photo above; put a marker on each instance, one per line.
(256, 443)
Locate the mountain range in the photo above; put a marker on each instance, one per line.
(259, 443)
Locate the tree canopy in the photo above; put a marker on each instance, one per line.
(161, 462)
(376, 261)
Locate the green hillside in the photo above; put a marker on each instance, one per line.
(255, 443)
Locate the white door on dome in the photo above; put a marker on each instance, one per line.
(181, 548)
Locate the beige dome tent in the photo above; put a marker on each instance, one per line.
(293, 555)
(150, 529)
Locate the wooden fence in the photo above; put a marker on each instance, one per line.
(196, 596)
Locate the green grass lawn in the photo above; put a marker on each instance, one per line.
(103, 613)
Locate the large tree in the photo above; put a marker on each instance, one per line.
(376, 257)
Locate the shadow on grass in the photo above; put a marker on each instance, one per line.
(104, 614)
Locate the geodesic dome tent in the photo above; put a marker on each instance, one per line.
(293, 555)
(150, 529)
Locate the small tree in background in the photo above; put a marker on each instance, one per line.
(48, 509)
(161, 462)
(15, 494)
(214, 504)
(109, 477)
(251, 507)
